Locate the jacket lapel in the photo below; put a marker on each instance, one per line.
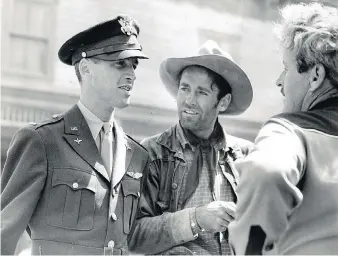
(122, 155)
(79, 137)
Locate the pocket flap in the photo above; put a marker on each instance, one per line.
(74, 178)
(131, 187)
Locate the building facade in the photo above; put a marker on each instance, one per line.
(36, 85)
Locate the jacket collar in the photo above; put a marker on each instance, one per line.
(95, 124)
(175, 140)
(79, 136)
(330, 102)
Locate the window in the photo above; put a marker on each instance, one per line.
(29, 31)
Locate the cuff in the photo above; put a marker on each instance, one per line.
(195, 228)
(179, 223)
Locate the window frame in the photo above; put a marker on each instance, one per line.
(8, 30)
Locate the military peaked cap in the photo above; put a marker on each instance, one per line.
(113, 39)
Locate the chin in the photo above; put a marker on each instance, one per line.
(123, 104)
(188, 124)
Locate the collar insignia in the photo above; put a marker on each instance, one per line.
(77, 141)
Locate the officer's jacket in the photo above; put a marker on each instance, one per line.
(54, 184)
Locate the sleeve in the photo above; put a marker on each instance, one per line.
(22, 181)
(267, 192)
(155, 232)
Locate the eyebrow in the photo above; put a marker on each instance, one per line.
(203, 89)
(133, 61)
(184, 84)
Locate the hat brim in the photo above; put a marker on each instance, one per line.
(122, 55)
(241, 87)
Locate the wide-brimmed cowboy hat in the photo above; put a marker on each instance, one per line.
(211, 56)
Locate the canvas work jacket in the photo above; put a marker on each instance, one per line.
(161, 222)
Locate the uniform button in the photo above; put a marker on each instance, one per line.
(113, 216)
(174, 186)
(111, 244)
(193, 224)
(55, 116)
(75, 185)
(84, 55)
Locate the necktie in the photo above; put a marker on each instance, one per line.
(107, 147)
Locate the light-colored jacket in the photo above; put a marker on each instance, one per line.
(288, 190)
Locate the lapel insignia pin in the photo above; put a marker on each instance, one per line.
(135, 175)
(74, 128)
(77, 141)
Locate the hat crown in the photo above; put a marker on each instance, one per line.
(110, 37)
(212, 57)
(211, 47)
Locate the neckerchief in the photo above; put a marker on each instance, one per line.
(208, 146)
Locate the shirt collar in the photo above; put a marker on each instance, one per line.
(184, 141)
(181, 137)
(95, 124)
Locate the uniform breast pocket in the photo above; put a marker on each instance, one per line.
(72, 199)
(131, 195)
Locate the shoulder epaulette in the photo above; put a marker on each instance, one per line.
(54, 119)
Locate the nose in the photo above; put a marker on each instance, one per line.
(279, 81)
(130, 79)
(191, 99)
(131, 76)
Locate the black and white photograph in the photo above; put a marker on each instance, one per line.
(170, 127)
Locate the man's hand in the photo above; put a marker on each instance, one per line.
(215, 216)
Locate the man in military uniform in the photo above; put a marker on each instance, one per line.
(73, 181)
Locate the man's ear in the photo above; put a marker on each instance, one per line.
(84, 68)
(317, 76)
(224, 102)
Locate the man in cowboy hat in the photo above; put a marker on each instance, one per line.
(74, 181)
(188, 197)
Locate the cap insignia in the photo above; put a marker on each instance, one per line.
(127, 26)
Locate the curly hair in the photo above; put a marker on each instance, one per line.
(311, 31)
